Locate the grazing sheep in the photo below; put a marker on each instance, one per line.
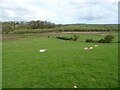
(75, 86)
(90, 47)
(96, 45)
(86, 48)
(42, 50)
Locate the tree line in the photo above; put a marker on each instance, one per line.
(9, 26)
(38, 26)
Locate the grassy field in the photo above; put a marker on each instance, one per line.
(0, 63)
(65, 64)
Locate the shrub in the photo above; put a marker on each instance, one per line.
(65, 38)
(95, 41)
(89, 40)
(102, 41)
(75, 37)
(108, 38)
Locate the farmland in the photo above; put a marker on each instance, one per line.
(0, 62)
(71, 28)
(72, 44)
(43, 26)
(65, 64)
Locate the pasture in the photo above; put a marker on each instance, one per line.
(0, 62)
(65, 64)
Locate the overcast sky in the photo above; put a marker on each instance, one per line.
(60, 11)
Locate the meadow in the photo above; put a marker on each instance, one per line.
(0, 62)
(65, 64)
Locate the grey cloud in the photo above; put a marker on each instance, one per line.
(65, 11)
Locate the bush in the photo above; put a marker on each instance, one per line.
(95, 41)
(108, 38)
(102, 41)
(75, 37)
(65, 38)
(89, 40)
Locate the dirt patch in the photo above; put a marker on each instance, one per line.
(84, 32)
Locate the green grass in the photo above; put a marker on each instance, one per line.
(0, 64)
(65, 64)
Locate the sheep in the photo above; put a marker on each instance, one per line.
(96, 45)
(86, 48)
(42, 50)
(90, 47)
(75, 86)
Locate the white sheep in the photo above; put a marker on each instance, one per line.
(96, 45)
(75, 86)
(86, 48)
(90, 47)
(42, 50)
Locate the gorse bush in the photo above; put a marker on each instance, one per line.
(75, 37)
(89, 40)
(102, 41)
(107, 39)
(64, 38)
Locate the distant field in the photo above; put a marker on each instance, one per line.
(65, 64)
(72, 28)
(89, 27)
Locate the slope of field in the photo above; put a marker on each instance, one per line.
(0, 64)
(65, 64)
